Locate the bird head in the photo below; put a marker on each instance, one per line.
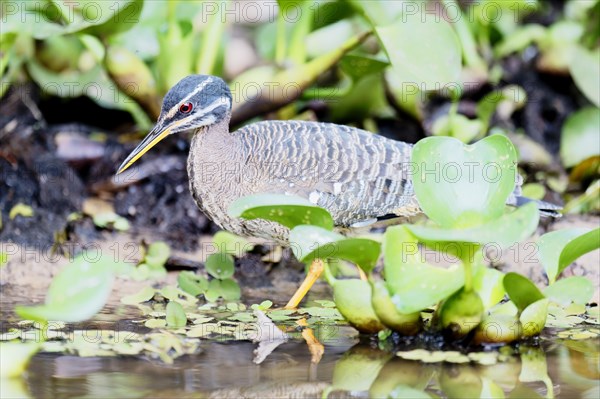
(194, 102)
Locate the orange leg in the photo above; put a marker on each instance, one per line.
(314, 346)
(314, 272)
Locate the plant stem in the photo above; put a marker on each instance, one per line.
(469, 47)
(211, 43)
(468, 260)
(280, 45)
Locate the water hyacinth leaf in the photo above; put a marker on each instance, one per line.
(311, 242)
(15, 357)
(460, 185)
(359, 66)
(145, 294)
(503, 232)
(220, 265)
(124, 17)
(233, 244)
(230, 290)
(175, 315)
(533, 318)
(214, 291)
(534, 367)
(353, 300)
(406, 324)
(77, 293)
(57, 18)
(413, 283)
(358, 368)
(579, 139)
(157, 254)
(558, 249)
(498, 328)
(133, 77)
(458, 126)
(431, 62)
(378, 12)
(577, 247)
(534, 191)
(585, 71)
(488, 284)
(191, 283)
(405, 391)
(461, 312)
(521, 290)
(575, 289)
(518, 40)
(287, 210)
(175, 60)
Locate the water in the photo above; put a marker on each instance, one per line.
(349, 368)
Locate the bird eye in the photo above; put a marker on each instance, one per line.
(186, 108)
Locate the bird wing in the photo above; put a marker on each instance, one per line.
(356, 175)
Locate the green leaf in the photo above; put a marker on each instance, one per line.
(311, 242)
(521, 290)
(125, 15)
(461, 185)
(488, 284)
(232, 244)
(145, 294)
(579, 246)
(511, 95)
(458, 126)
(575, 289)
(230, 290)
(56, 18)
(502, 232)
(413, 283)
(157, 254)
(103, 92)
(77, 293)
(534, 191)
(379, 12)
(15, 357)
(558, 249)
(521, 38)
(406, 324)
(20, 210)
(175, 315)
(176, 60)
(287, 210)
(3, 258)
(533, 317)
(358, 66)
(353, 299)
(585, 70)
(220, 265)
(433, 61)
(461, 312)
(498, 328)
(191, 283)
(579, 139)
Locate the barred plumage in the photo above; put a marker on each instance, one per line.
(358, 176)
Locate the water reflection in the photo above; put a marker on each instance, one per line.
(569, 369)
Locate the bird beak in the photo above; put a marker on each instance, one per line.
(156, 134)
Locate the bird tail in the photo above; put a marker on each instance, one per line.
(516, 199)
(546, 209)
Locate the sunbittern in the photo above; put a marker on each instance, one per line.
(358, 176)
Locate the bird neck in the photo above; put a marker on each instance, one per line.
(214, 142)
